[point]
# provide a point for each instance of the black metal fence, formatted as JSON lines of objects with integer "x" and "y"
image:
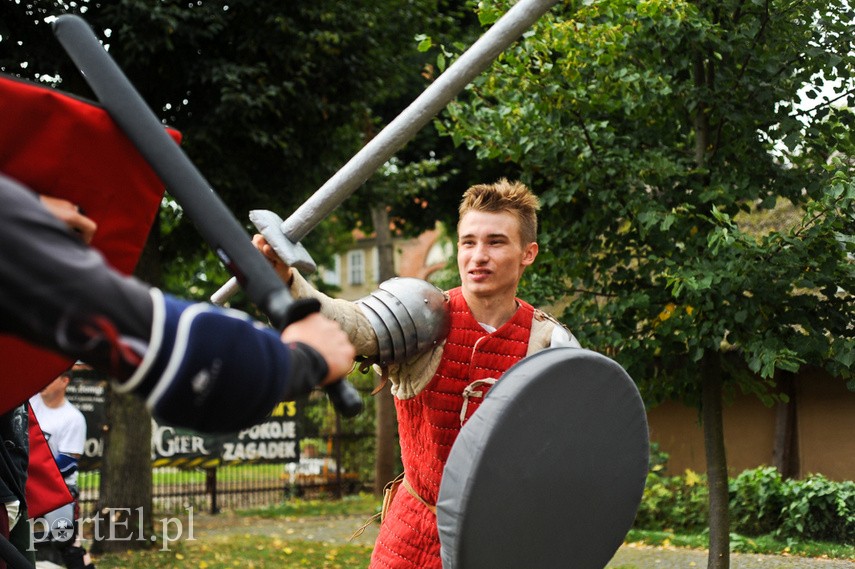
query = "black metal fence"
{"x": 240, "y": 486}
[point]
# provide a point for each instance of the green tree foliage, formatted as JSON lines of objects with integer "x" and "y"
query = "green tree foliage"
{"x": 648, "y": 128}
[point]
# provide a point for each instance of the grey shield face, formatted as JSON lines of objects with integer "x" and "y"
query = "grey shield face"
{"x": 549, "y": 471}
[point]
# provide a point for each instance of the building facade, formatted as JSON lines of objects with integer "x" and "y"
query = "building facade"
{"x": 357, "y": 271}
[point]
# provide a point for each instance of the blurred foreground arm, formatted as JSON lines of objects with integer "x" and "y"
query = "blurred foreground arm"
{"x": 196, "y": 365}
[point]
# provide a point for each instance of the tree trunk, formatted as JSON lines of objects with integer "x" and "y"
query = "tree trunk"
{"x": 711, "y": 414}
{"x": 711, "y": 398}
{"x": 125, "y": 495}
{"x": 385, "y": 429}
{"x": 125, "y": 501}
{"x": 785, "y": 449}
{"x": 386, "y": 425}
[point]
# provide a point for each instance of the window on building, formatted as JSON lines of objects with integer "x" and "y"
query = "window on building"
{"x": 332, "y": 275}
{"x": 356, "y": 263}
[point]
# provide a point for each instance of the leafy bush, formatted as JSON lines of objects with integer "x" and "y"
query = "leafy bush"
{"x": 657, "y": 460}
{"x": 818, "y": 508}
{"x": 656, "y": 508}
{"x": 678, "y": 503}
{"x": 756, "y": 501}
{"x": 761, "y": 503}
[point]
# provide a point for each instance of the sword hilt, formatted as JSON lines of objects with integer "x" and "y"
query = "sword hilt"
{"x": 269, "y": 225}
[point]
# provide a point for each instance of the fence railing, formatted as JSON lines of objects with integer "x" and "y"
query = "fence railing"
{"x": 237, "y": 486}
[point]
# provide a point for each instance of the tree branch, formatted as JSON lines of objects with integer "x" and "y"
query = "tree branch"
{"x": 591, "y": 293}
{"x": 826, "y": 103}
{"x": 700, "y": 120}
{"x": 588, "y": 141}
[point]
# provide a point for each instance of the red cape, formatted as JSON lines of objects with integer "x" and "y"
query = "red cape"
{"x": 67, "y": 147}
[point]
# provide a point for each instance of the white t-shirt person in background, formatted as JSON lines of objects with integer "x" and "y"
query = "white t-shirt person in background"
{"x": 63, "y": 425}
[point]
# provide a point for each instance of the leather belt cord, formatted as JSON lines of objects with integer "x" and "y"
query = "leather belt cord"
{"x": 415, "y": 495}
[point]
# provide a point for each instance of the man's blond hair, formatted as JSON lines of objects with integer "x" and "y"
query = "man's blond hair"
{"x": 513, "y": 197}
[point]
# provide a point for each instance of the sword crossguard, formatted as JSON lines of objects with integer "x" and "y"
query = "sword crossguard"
{"x": 269, "y": 225}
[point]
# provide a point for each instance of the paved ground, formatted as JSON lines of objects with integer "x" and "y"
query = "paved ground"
{"x": 339, "y": 529}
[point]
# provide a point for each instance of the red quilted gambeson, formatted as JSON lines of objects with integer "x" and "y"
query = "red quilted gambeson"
{"x": 430, "y": 422}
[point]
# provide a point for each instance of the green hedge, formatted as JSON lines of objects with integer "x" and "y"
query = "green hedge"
{"x": 761, "y": 503}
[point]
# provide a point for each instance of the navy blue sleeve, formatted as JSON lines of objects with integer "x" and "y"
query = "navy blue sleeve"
{"x": 217, "y": 370}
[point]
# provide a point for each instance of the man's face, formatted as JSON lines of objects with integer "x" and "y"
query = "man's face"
{"x": 490, "y": 256}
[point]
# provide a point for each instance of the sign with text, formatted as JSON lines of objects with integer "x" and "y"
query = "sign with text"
{"x": 276, "y": 439}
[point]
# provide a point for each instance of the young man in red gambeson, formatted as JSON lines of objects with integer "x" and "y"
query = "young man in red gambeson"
{"x": 438, "y": 390}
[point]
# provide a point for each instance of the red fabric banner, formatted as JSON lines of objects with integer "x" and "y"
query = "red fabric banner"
{"x": 67, "y": 147}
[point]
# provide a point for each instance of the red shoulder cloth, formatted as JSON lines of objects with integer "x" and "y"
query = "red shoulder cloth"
{"x": 63, "y": 146}
{"x": 45, "y": 489}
